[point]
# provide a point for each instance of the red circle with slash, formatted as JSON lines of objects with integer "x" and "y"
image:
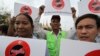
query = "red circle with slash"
{"x": 26, "y": 9}
{"x": 18, "y": 47}
{"x": 93, "y": 53}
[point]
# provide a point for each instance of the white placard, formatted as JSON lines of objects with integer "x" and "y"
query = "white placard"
{"x": 89, "y": 6}
{"x": 34, "y": 46}
{"x": 79, "y": 48}
{"x": 20, "y": 8}
{"x": 57, "y": 7}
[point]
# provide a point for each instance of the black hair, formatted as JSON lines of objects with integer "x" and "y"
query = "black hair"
{"x": 28, "y": 16}
{"x": 56, "y": 17}
{"x": 92, "y": 16}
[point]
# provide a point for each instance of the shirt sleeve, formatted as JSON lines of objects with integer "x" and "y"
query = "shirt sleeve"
{"x": 72, "y": 34}
{"x": 38, "y": 30}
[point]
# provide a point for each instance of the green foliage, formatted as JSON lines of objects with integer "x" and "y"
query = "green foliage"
{"x": 3, "y": 18}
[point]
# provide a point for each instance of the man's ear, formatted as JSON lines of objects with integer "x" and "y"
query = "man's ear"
{"x": 33, "y": 26}
{"x": 99, "y": 30}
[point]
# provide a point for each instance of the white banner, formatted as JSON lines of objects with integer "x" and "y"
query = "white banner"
{"x": 59, "y": 7}
{"x": 79, "y": 48}
{"x": 22, "y": 8}
{"x": 89, "y": 6}
{"x": 12, "y": 46}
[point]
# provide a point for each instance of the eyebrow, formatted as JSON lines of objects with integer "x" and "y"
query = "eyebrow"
{"x": 85, "y": 25}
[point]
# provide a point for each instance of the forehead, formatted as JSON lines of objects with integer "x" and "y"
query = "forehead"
{"x": 55, "y": 19}
{"x": 21, "y": 18}
{"x": 86, "y": 21}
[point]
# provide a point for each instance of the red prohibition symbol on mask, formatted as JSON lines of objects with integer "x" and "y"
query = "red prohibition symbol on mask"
{"x": 26, "y": 9}
{"x": 93, "y": 53}
{"x": 18, "y": 48}
{"x": 94, "y": 6}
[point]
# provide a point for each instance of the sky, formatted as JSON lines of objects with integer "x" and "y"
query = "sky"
{"x": 9, "y": 6}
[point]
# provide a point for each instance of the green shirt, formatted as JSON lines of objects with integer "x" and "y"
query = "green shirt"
{"x": 53, "y": 42}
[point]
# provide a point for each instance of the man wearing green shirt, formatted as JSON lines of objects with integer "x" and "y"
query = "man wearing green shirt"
{"x": 54, "y": 37}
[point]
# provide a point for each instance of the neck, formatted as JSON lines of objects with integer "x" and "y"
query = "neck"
{"x": 28, "y": 36}
{"x": 56, "y": 31}
{"x": 94, "y": 41}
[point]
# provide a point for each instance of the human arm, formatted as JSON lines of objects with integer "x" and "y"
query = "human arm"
{"x": 38, "y": 30}
{"x": 11, "y": 31}
{"x": 41, "y": 11}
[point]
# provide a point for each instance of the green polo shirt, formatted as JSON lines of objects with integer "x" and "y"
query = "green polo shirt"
{"x": 53, "y": 42}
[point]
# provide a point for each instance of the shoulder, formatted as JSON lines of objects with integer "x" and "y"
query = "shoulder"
{"x": 34, "y": 37}
{"x": 64, "y": 32}
{"x": 48, "y": 32}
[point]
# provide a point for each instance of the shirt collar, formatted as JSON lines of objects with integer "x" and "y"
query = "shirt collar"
{"x": 59, "y": 33}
